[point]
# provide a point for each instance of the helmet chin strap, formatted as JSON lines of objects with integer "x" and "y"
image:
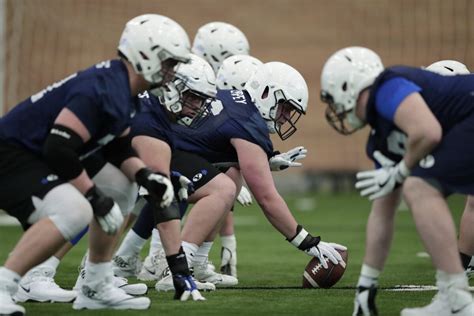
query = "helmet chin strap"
{"x": 271, "y": 126}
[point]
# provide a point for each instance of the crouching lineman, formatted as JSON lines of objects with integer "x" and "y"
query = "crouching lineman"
{"x": 237, "y": 129}
{"x": 43, "y": 140}
{"x": 421, "y": 120}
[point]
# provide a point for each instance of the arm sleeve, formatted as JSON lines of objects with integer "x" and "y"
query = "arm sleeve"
{"x": 391, "y": 93}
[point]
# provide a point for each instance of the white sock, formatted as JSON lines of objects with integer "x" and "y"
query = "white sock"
{"x": 52, "y": 262}
{"x": 229, "y": 242}
{"x": 9, "y": 280}
{"x": 131, "y": 245}
{"x": 202, "y": 254}
{"x": 96, "y": 272}
{"x": 368, "y": 276}
{"x": 190, "y": 250}
{"x": 155, "y": 244}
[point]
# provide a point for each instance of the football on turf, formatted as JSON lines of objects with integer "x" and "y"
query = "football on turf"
{"x": 315, "y": 275}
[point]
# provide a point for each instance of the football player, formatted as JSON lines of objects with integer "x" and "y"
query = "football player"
{"x": 44, "y": 140}
{"x": 237, "y": 130}
{"x": 420, "y": 120}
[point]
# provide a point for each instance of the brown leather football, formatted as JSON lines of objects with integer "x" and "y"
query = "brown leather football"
{"x": 315, "y": 275}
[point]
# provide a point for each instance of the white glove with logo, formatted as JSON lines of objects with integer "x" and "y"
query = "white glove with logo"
{"x": 328, "y": 250}
{"x": 286, "y": 160}
{"x": 380, "y": 182}
{"x": 313, "y": 246}
{"x": 244, "y": 197}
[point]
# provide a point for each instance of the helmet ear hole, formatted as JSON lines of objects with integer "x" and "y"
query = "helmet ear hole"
{"x": 265, "y": 92}
{"x": 344, "y": 86}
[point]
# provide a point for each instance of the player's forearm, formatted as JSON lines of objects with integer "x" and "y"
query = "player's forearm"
{"x": 278, "y": 214}
{"x": 131, "y": 166}
{"x": 83, "y": 183}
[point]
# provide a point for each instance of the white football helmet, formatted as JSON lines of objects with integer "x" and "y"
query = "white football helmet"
{"x": 187, "y": 94}
{"x": 448, "y": 68}
{"x": 235, "y": 71}
{"x": 216, "y": 41}
{"x": 345, "y": 74}
{"x": 280, "y": 94}
{"x": 150, "y": 39}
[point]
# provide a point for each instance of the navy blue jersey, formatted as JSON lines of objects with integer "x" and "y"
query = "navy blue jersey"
{"x": 451, "y": 100}
{"x": 152, "y": 120}
{"x": 233, "y": 115}
{"x": 99, "y": 96}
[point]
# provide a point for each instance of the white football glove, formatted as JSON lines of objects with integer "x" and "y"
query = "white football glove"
{"x": 313, "y": 246}
{"x": 185, "y": 287}
{"x": 186, "y": 186}
{"x": 244, "y": 197}
{"x": 380, "y": 182}
{"x": 287, "y": 159}
{"x": 112, "y": 221}
{"x": 327, "y": 250}
{"x": 159, "y": 186}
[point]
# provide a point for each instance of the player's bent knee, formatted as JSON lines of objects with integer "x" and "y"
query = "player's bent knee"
{"x": 67, "y": 208}
{"x": 172, "y": 212}
{"x": 227, "y": 189}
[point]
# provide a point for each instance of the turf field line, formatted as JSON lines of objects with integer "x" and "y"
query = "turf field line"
{"x": 401, "y": 288}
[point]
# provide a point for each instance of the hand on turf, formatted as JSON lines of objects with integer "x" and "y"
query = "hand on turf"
{"x": 106, "y": 211}
{"x": 244, "y": 197}
{"x": 380, "y": 182}
{"x": 185, "y": 287}
{"x": 287, "y": 159}
{"x": 325, "y": 250}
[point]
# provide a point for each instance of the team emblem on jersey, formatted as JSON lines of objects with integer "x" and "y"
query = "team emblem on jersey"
{"x": 427, "y": 162}
{"x": 199, "y": 175}
{"x": 49, "y": 178}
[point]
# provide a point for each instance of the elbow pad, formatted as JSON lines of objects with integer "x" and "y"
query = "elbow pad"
{"x": 60, "y": 152}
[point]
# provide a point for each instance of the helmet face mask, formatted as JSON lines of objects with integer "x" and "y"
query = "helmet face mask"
{"x": 280, "y": 94}
{"x": 186, "y": 95}
{"x": 338, "y": 117}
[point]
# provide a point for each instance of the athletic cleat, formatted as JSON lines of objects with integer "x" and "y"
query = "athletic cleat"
{"x": 119, "y": 282}
{"x": 132, "y": 289}
{"x": 153, "y": 267}
{"x": 39, "y": 285}
{"x": 165, "y": 284}
{"x": 202, "y": 274}
{"x": 106, "y": 296}
{"x": 228, "y": 262}
{"x": 439, "y": 306}
{"x": 364, "y": 302}
{"x": 126, "y": 266}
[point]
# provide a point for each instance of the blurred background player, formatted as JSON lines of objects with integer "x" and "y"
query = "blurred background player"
{"x": 409, "y": 109}
{"x": 381, "y": 221}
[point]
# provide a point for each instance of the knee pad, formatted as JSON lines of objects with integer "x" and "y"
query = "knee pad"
{"x": 67, "y": 208}
{"x": 167, "y": 214}
{"x": 116, "y": 185}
